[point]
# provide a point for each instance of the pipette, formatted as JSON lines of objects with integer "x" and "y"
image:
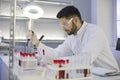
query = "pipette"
{"x": 41, "y": 37}
{"x": 39, "y": 40}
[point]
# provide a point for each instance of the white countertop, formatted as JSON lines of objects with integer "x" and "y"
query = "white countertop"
{"x": 36, "y": 75}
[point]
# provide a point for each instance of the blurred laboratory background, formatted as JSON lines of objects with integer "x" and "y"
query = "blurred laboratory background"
{"x": 104, "y": 13}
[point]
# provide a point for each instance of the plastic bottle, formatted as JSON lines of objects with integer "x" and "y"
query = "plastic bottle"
{"x": 61, "y": 73}
{"x": 72, "y": 73}
{"x": 31, "y": 61}
{"x": 55, "y": 62}
{"x": 67, "y": 71}
{"x": 20, "y": 59}
{"x": 85, "y": 72}
{"x": 43, "y": 63}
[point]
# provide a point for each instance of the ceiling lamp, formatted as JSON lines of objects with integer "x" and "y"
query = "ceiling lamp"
{"x": 33, "y": 12}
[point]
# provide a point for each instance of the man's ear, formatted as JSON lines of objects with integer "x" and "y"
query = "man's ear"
{"x": 75, "y": 19}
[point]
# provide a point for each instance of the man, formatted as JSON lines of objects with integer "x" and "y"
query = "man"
{"x": 84, "y": 41}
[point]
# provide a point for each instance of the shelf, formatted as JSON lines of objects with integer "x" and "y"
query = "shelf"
{"x": 50, "y": 8}
{"x": 23, "y": 17}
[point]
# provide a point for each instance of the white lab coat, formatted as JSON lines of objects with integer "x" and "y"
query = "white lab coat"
{"x": 89, "y": 41}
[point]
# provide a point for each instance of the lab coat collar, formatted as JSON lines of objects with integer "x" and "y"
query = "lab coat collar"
{"x": 84, "y": 25}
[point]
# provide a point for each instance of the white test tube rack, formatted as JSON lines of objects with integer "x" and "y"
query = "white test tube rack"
{"x": 54, "y": 68}
{"x": 26, "y": 61}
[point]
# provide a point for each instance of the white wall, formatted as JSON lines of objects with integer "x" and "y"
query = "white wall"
{"x": 118, "y": 18}
{"x": 49, "y": 27}
{"x": 100, "y": 12}
{"x": 104, "y": 17}
{"x": 84, "y": 7}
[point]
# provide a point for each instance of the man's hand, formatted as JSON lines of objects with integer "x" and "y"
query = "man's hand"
{"x": 32, "y": 36}
{"x": 29, "y": 34}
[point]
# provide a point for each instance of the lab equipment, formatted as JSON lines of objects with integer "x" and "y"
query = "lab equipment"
{"x": 67, "y": 71}
{"x": 27, "y": 61}
{"x": 61, "y": 69}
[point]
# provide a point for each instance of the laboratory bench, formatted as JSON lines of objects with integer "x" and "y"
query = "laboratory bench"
{"x": 36, "y": 74}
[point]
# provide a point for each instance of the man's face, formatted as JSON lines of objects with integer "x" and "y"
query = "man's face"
{"x": 69, "y": 26}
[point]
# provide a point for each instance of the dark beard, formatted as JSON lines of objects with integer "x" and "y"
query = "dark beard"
{"x": 74, "y": 29}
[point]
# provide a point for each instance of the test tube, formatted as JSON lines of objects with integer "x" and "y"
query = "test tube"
{"x": 61, "y": 74}
{"x": 67, "y": 72}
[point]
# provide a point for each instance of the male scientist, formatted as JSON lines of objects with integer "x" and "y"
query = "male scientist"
{"x": 84, "y": 40}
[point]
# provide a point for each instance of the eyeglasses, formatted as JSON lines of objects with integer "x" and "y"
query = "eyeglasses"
{"x": 66, "y": 24}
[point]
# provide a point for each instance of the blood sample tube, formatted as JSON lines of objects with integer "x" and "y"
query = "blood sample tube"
{"x": 61, "y": 73}
{"x": 85, "y": 72}
{"x": 67, "y": 73}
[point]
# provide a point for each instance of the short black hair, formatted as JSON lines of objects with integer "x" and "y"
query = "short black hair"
{"x": 69, "y": 11}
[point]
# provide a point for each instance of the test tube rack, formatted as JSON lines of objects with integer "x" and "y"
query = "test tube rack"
{"x": 54, "y": 69}
{"x": 25, "y": 61}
